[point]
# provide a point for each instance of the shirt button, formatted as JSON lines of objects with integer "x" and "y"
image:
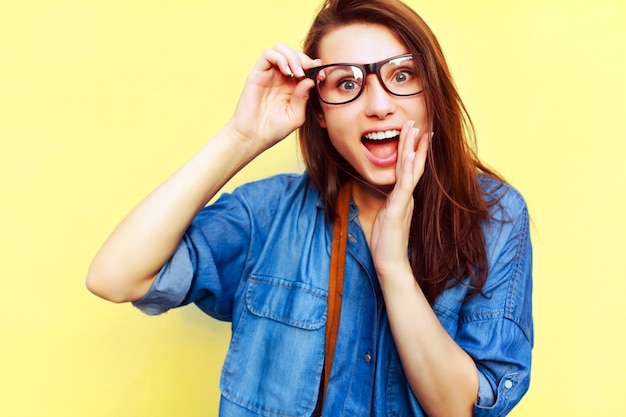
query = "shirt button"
{"x": 368, "y": 357}
{"x": 508, "y": 384}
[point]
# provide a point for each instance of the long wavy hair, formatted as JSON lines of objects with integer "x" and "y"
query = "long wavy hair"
{"x": 447, "y": 243}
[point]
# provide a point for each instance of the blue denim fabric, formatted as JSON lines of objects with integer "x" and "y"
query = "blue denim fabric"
{"x": 259, "y": 257}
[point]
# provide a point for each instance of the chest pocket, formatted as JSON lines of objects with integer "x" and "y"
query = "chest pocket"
{"x": 275, "y": 360}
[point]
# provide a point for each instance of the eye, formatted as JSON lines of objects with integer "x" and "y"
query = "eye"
{"x": 403, "y": 75}
{"x": 348, "y": 85}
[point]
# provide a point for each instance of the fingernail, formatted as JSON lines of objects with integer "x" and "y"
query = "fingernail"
{"x": 415, "y": 131}
{"x": 300, "y": 71}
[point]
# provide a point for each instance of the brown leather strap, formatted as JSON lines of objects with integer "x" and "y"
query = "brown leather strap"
{"x": 335, "y": 280}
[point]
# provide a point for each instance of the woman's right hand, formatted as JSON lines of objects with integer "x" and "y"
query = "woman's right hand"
{"x": 273, "y": 101}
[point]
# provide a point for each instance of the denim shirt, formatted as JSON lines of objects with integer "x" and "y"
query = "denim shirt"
{"x": 260, "y": 258}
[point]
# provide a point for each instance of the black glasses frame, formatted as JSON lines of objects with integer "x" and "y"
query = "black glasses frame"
{"x": 367, "y": 69}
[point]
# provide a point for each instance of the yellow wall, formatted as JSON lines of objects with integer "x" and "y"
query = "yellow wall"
{"x": 100, "y": 100}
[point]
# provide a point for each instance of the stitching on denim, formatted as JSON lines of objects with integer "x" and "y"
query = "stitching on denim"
{"x": 311, "y": 324}
{"x": 231, "y": 394}
{"x": 278, "y": 282}
{"x": 523, "y": 233}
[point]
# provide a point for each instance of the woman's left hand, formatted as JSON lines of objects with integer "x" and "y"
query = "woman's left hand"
{"x": 390, "y": 232}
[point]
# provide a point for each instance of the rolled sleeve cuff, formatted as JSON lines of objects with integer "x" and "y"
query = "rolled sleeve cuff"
{"x": 486, "y": 396}
{"x": 171, "y": 285}
{"x": 508, "y": 393}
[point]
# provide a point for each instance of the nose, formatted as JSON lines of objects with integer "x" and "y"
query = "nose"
{"x": 380, "y": 103}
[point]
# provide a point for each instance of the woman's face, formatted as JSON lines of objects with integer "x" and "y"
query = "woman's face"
{"x": 376, "y": 110}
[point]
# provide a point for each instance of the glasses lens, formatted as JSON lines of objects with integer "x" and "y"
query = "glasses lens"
{"x": 338, "y": 84}
{"x": 400, "y": 76}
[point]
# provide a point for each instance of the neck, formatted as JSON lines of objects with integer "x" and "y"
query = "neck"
{"x": 369, "y": 201}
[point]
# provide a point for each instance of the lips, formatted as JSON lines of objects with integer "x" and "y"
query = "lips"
{"x": 382, "y": 146}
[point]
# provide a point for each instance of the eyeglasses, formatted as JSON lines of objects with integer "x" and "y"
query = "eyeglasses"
{"x": 343, "y": 83}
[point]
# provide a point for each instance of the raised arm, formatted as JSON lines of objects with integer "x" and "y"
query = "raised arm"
{"x": 271, "y": 106}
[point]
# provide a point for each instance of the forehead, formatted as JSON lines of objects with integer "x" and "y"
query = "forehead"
{"x": 360, "y": 43}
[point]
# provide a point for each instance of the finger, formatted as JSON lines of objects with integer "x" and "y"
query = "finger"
{"x": 300, "y": 97}
{"x": 402, "y": 193}
{"x": 294, "y": 58}
{"x": 407, "y": 145}
{"x": 419, "y": 163}
{"x": 399, "y": 206}
{"x": 308, "y": 62}
{"x": 406, "y": 183}
{"x": 404, "y": 133}
{"x": 274, "y": 59}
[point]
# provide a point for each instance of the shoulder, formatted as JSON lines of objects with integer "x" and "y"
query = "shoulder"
{"x": 290, "y": 179}
{"x": 509, "y": 250}
{"x": 276, "y": 188}
{"x": 507, "y": 208}
{"x": 266, "y": 197}
{"x": 509, "y": 222}
{"x": 505, "y": 202}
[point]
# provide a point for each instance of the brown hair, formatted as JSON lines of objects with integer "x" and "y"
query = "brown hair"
{"x": 447, "y": 243}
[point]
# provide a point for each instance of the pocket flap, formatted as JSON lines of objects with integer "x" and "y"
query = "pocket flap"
{"x": 292, "y": 303}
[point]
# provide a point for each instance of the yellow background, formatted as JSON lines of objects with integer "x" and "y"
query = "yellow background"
{"x": 101, "y": 100}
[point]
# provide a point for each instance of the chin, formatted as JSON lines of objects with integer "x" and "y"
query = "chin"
{"x": 380, "y": 182}
{"x": 383, "y": 187}
{"x": 383, "y": 181}
{"x": 386, "y": 189}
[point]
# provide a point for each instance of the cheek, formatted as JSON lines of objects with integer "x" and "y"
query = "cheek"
{"x": 340, "y": 137}
{"x": 421, "y": 113}
{"x": 336, "y": 139}
{"x": 339, "y": 118}
{"x": 417, "y": 111}
{"x": 334, "y": 122}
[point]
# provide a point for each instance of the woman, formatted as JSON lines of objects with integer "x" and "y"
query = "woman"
{"x": 446, "y": 330}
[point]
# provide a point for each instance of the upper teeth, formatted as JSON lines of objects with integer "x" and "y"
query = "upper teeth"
{"x": 382, "y": 135}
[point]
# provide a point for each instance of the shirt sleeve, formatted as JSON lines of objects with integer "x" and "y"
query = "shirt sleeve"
{"x": 208, "y": 263}
{"x": 486, "y": 396}
{"x": 497, "y": 328}
{"x": 219, "y": 249}
{"x": 171, "y": 285}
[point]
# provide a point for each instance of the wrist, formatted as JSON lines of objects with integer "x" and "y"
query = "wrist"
{"x": 241, "y": 143}
{"x": 397, "y": 279}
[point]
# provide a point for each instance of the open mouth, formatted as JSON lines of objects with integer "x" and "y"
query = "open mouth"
{"x": 382, "y": 146}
